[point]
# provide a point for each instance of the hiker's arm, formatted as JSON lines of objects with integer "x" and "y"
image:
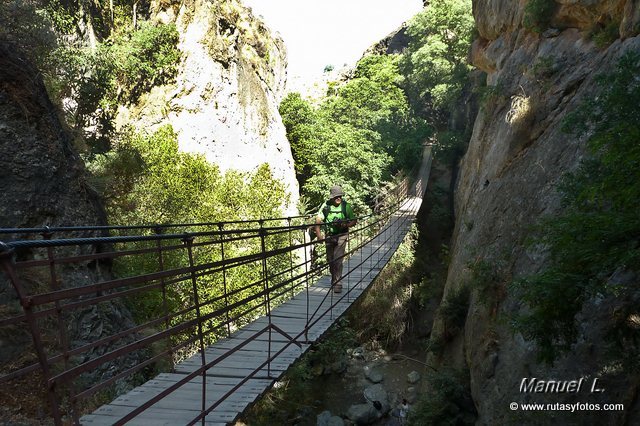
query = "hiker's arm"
{"x": 352, "y": 216}
{"x": 319, "y": 234}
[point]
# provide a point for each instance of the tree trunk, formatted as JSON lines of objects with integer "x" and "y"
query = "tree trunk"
{"x": 135, "y": 15}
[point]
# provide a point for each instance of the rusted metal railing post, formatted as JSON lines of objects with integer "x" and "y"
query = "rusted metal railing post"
{"x": 165, "y": 303}
{"x": 306, "y": 281}
{"x": 224, "y": 280}
{"x": 347, "y": 256}
{"x": 62, "y": 328}
{"x": 263, "y": 248}
{"x": 188, "y": 241}
{"x": 290, "y": 257}
{"x": 6, "y": 260}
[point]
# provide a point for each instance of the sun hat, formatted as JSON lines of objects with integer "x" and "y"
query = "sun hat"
{"x": 335, "y": 191}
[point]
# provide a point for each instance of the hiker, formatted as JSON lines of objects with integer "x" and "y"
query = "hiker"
{"x": 337, "y": 216}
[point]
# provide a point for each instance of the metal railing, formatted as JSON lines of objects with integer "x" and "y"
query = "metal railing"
{"x": 194, "y": 283}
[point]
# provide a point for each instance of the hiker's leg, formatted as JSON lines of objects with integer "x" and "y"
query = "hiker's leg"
{"x": 338, "y": 254}
{"x": 330, "y": 244}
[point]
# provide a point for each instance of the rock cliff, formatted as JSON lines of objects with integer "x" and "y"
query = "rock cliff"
{"x": 508, "y": 181}
{"x": 43, "y": 183}
{"x": 225, "y": 101}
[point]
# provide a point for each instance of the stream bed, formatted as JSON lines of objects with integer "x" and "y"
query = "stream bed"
{"x": 337, "y": 392}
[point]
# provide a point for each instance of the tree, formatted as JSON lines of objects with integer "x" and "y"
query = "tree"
{"x": 347, "y": 156}
{"x": 374, "y": 100}
{"x": 435, "y": 62}
{"x": 299, "y": 120}
{"x": 359, "y": 136}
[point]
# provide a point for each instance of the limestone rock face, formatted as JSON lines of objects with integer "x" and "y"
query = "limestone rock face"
{"x": 586, "y": 14}
{"x": 494, "y": 17}
{"x": 497, "y": 17}
{"x": 508, "y": 181}
{"x": 231, "y": 79}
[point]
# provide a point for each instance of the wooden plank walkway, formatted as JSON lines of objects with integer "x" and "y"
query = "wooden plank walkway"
{"x": 251, "y": 344}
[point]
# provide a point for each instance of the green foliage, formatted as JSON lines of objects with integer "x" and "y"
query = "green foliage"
{"x": 358, "y": 137}
{"x": 334, "y": 347}
{"x": 435, "y": 62}
{"x": 299, "y": 119}
{"x": 24, "y": 25}
{"x": 373, "y": 100}
{"x": 490, "y": 96}
{"x": 383, "y": 312}
{"x": 116, "y": 72}
{"x": 429, "y": 288}
{"x": 449, "y": 146}
{"x": 605, "y": 34}
{"x": 146, "y": 180}
{"x": 538, "y": 14}
{"x": 346, "y": 155}
{"x": 447, "y": 402}
{"x": 150, "y": 181}
{"x": 436, "y": 345}
{"x": 544, "y": 68}
{"x": 85, "y": 75}
{"x": 597, "y": 232}
{"x": 64, "y": 19}
{"x": 487, "y": 282}
{"x": 296, "y": 389}
{"x": 454, "y": 308}
{"x": 145, "y": 58}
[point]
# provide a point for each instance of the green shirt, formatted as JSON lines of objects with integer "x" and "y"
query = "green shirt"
{"x": 335, "y": 213}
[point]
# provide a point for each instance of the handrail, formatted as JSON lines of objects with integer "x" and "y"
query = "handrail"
{"x": 206, "y": 281}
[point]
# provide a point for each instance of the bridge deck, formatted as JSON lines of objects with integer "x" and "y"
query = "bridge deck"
{"x": 237, "y": 357}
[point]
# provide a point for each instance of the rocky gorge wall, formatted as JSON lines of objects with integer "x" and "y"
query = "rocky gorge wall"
{"x": 224, "y": 103}
{"x": 508, "y": 181}
{"x": 43, "y": 183}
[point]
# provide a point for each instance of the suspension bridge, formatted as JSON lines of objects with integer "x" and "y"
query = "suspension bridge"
{"x": 235, "y": 305}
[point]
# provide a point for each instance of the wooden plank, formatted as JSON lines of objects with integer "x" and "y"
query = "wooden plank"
{"x": 253, "y": 346}
{"x": 213, "y": 380}
{"x": 245, "y": 358}
{"x": 158, "y": 418}
{"x": 250, "y": 350}
{"x": 110, "y": 414}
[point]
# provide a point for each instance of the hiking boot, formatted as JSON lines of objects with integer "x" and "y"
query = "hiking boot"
{"x": 337, "y": 288}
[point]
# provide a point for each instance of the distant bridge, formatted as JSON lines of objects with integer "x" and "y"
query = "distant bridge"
{"x": 224, "y": 328}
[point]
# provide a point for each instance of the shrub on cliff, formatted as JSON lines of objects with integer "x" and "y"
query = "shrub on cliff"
{"x": 538, "y": 14}
{"x": 145, "y": 58}
{"x": 117, "y": 72}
